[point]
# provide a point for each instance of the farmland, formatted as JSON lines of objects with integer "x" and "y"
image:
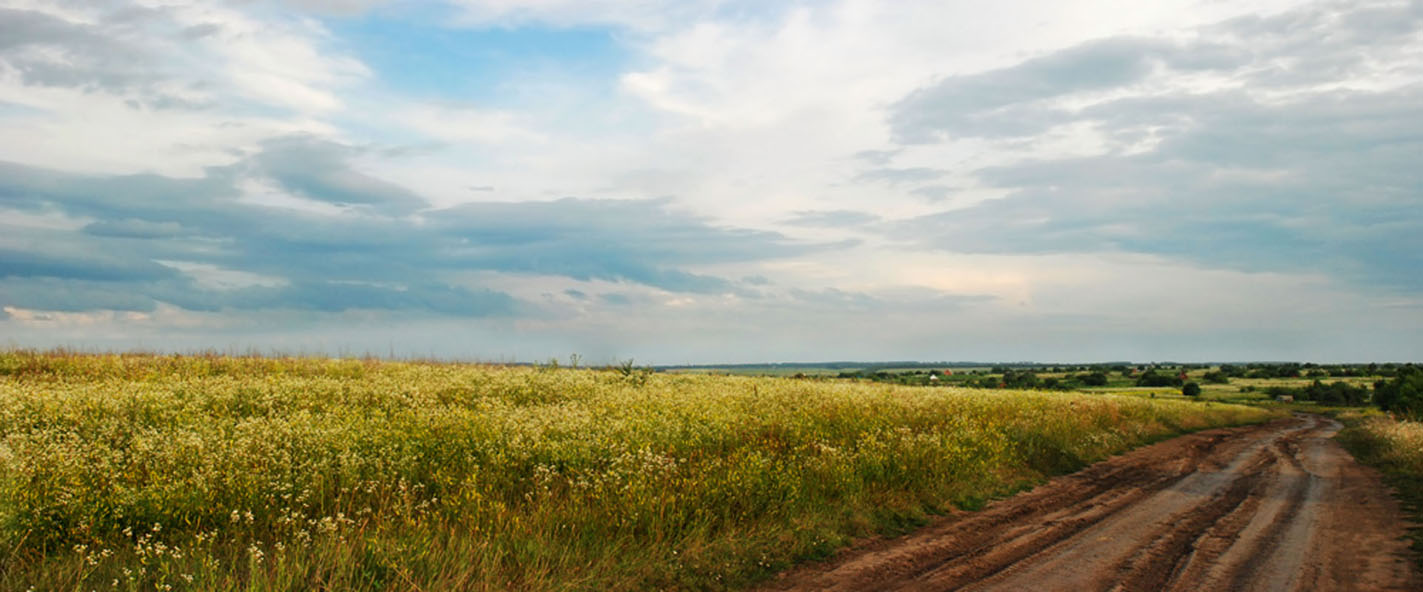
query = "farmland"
{"x": 215, "y": 473}
{"x": 1250, "y": 382}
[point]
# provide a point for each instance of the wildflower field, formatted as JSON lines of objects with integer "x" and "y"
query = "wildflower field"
{"x": 138, "y": 472}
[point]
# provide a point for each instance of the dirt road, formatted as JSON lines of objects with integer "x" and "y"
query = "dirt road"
{"x": 1273, "y": 507}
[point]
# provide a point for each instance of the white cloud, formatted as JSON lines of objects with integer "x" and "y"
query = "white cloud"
{"x": 460, "y": 124}
{"x": 206, "y": 82}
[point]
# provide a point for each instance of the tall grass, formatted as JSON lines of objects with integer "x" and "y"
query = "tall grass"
{"x": 1395, "y": 447}
{"x": 218, "y": 473}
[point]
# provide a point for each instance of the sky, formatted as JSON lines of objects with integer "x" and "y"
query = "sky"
{"x": 715, "y": 181}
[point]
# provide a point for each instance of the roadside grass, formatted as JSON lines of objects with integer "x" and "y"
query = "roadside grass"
{"x": 141, "y": 472}
{"x": 1395, "y": 448}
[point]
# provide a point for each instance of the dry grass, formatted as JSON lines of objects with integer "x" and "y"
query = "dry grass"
{"x": 1396, "y": 448}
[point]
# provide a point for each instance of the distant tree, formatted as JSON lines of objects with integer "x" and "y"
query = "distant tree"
{"x": 1153, "y": 378}
{"x": 1191, "y": 389}
{"x": 1216, "y": 377}
{"x": 1338, "y": 393}
{"x": 1093, "y": 379}
{"x": 1403, "y": 394}
{"x": 1024, "y": 379}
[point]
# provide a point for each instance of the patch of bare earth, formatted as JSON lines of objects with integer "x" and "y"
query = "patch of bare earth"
{"x": 1272, "y": 507}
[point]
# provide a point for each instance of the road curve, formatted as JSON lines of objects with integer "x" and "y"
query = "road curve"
{"x": 1278, "y": 507}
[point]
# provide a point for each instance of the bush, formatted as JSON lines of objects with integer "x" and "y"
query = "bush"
{"x": 1191, "y": 389}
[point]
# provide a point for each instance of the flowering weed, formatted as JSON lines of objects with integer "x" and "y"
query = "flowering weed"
{"x": 218, "y": 473}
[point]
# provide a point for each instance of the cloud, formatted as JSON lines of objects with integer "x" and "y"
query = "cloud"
{"x": 642, "y": 241}
{"x": 178, "y": 56}
{"x": 85, "y": 266}
{"x": 1272, "y": 169}
{"x": 835, "y": 298}
{"x": 130, "y": 228}
{"x": 993, "y": 102}
{"x": 130, "y": 294}
{"x": 69, "y": 295}
{"x": 877, "y": 157}
{"x": 344, "y": 8}
{"x": 47, "y": 50}
{"x": 328, "y": 296}
{"x": 209, "y": 244}
{"x": 895, "y": 176}
{"x": 833, "y": 219}
{"x": 320, "y": 170}
{"x": 616, "y": 299}
{"x": 1322, "y": 43}
{"x": 932, "y": 192}
{"x": 756, "y": 280}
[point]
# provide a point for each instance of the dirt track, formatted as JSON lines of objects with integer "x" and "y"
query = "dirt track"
{"x": 1274, "y": 507}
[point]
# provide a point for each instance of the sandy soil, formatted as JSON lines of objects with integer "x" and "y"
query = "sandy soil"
{"x": 1273, "y": 507}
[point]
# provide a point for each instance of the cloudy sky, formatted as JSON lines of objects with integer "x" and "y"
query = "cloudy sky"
{"x": 715, "y": 180}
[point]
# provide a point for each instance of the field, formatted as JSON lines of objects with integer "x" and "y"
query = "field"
{"x": 216, "y": 473}
{"x": 1117, "y": 378}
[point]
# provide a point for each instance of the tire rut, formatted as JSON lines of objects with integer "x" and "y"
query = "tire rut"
{"x": 1230, "y": 509}
{"x": 1157, "y": 564}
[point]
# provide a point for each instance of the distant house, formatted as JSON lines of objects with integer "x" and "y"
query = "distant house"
{"x": 1285, "y": 398}
{"x": 948, "y": 373}
{"x": 933, "y": 377}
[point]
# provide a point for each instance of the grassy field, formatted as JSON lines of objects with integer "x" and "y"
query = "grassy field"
{"x": 217, "y": 473}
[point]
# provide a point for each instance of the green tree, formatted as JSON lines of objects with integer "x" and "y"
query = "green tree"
{"x": 1152, "y": 378}
{"x": 1191, "y": 389}
{"x": 1403, "y": 394}
{"x": 1093, "y": 379}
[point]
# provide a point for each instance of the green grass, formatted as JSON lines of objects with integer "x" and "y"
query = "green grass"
{"x": 219, "y": 473}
